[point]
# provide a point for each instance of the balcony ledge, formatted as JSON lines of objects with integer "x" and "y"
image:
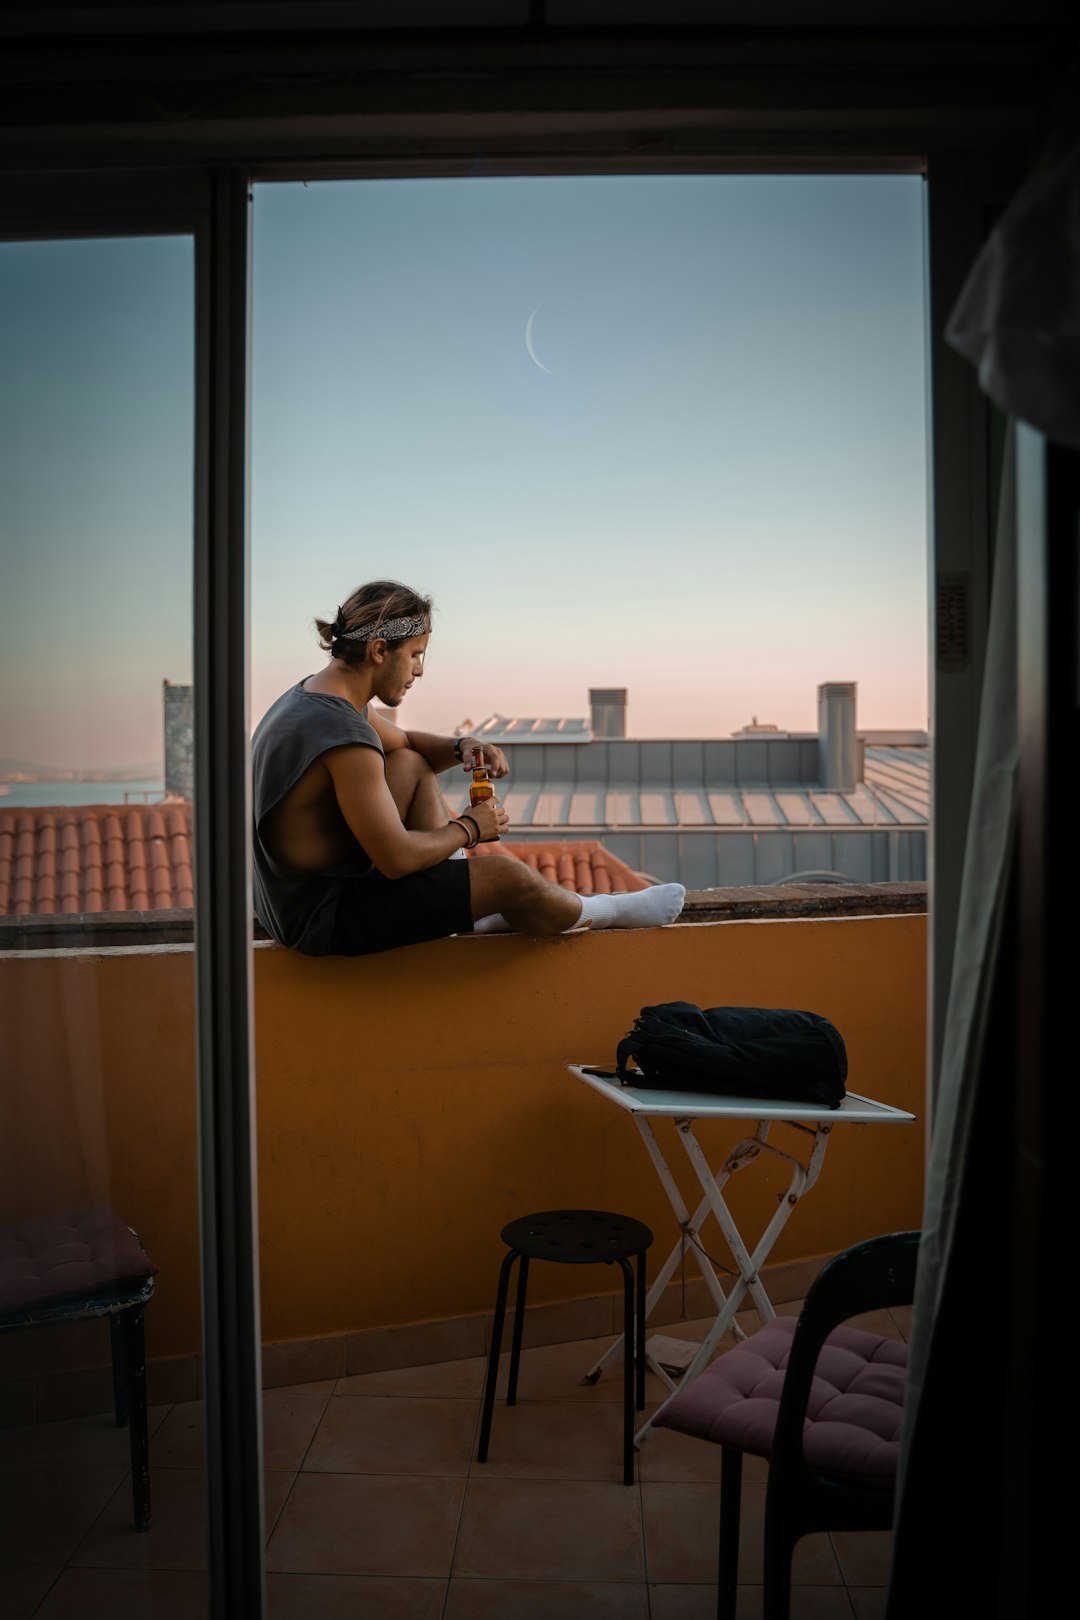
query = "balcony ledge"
{"x": 103, "y": 930}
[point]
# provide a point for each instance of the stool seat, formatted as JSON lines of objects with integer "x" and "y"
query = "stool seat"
{"x": 573, "y": 1237}
{"x": 577, "y": 1237}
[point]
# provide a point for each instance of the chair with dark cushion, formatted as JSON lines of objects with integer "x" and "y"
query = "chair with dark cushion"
{"x": 823, "y": 1403}
{"x": 84, "y": 1263}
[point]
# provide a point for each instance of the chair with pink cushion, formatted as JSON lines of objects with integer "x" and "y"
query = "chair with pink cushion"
{"x": 79, "y": 1264}
{"x": 823, "y": 1403}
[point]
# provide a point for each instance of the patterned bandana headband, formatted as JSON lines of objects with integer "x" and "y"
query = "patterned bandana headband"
{"x": 388, "y": 630}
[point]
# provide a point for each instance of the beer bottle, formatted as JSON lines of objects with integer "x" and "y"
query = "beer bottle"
{"x": 480, "y": 787}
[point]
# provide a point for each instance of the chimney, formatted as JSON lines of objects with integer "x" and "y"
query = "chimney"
{"x": 838, "y": 749}
{"x": 179, "y": 744}
{"x": 608, "y": 707}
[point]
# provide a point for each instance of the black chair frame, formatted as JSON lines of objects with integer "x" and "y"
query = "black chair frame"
{"x": 800, "y": 1500}
{"x": 124, "y": 1307}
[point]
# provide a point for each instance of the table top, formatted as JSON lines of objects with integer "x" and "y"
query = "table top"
{"x": 854, "y": 1110}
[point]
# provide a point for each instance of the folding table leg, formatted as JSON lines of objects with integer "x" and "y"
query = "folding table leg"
{"x": 667, "y": 1270}
{"x": 748, "y": 1282}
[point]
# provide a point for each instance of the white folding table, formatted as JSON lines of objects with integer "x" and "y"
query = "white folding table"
{"x": 686, "y": 1108}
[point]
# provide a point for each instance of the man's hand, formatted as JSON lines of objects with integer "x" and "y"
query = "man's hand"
{"x": 474, "y": 753}
{"x": 491, "y": 819}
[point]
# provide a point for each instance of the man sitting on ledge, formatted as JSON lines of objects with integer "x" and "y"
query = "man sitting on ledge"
{"x": 355, "y": 848}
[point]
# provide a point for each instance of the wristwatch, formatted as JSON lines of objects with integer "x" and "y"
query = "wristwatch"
{"x": 459, "y": 744}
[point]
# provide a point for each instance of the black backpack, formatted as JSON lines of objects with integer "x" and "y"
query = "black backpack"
{"x": 736, "y": 1051}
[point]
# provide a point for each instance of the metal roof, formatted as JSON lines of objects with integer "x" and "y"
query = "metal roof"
{"x": 895, "y": 792}
{"x": 497, "y": 728}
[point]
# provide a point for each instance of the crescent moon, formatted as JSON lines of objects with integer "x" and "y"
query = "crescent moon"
{"x": 533, "y": 356}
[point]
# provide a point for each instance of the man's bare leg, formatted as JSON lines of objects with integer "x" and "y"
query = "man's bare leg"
{"x": 503, "y": 886}
{"x": 415, "y": 790}
{"x": 529, "y": 904}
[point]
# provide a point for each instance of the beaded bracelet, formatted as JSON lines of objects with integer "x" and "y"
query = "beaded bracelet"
{"x": 476, "y": 830}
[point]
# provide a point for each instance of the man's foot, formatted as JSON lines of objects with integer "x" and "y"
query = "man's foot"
{"x": 649, "y": 908}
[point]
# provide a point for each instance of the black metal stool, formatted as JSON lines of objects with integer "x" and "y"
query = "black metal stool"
{"x": 574, "y": 1237}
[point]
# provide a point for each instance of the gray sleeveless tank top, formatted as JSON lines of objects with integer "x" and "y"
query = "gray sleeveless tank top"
{"x": 298, "y": 908}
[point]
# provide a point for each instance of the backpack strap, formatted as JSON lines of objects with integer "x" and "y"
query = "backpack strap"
{"x": 627, "y": 1048}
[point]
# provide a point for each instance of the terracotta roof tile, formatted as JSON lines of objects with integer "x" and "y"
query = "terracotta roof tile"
{"x": 586, "y": 867}
{"x": 95, "y": 858}
{"x": 546, "y": 863}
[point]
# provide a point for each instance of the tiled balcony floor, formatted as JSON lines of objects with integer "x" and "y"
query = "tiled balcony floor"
{"x": 377, "y": 1510}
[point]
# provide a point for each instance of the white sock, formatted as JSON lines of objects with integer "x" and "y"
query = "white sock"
{"x": 495, "y": 924}
{"x": 648, "y": 908}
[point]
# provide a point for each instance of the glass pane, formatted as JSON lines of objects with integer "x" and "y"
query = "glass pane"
{"x": 98, "y": 1137}
{"x": 656, "y": 447}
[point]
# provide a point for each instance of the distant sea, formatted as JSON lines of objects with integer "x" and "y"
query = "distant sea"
{"x": 14, "y": 795}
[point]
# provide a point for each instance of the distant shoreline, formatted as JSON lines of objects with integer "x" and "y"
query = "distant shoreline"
{"x": 135, "y": 773}
{"x": 39, "y": 793}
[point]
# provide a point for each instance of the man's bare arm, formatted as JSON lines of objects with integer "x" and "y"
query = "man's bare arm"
{"x": 372, "y": 816}
{"x": 369, "y": 809}
{"x": 439, "y": 752}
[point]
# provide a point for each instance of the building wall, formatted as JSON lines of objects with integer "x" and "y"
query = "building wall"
{"x": 178, "y": 707}
{"x": 410, "y": 1104}
{"x": 627, "y": 763}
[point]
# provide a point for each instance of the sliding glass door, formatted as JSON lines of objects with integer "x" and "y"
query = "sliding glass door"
{"x": 126, "y": 1124}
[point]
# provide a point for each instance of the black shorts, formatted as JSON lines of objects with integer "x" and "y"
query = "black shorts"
{"x": 378, "y": 913}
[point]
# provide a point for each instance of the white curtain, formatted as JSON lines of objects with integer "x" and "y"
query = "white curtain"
{"x": 1018, "y": 321}
{"x": 987, "y": 861}
{"x": 1018, "y": 317}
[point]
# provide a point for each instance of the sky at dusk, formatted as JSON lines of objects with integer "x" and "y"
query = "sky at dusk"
{"x": 665, "y": 433}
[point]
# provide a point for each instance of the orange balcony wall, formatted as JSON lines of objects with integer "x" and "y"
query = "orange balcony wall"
{"x": 410, "y": 1104}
